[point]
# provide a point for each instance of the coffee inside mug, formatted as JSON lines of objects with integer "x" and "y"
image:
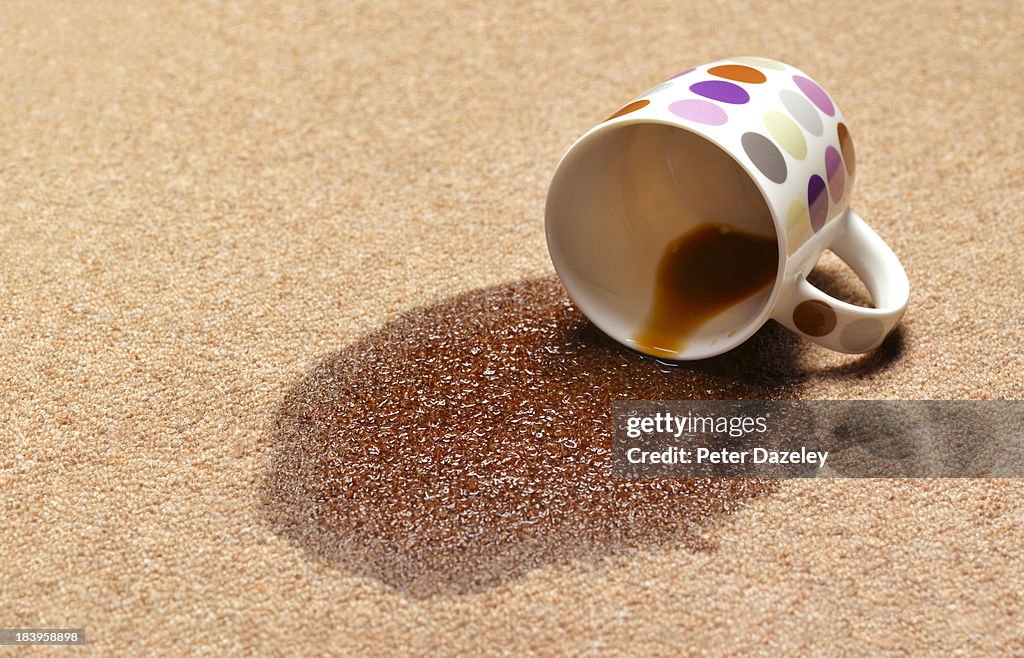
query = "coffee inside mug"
{"x": 662, "y": 239}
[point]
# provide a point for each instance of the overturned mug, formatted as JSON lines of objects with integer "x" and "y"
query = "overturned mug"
{"x": 692, "y": 215}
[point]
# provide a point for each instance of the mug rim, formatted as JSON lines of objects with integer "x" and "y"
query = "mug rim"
{"x": 737, "y": 337}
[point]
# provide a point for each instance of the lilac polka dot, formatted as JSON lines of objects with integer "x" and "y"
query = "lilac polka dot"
{"x": 816, "y": 94}
{"x": 679, "y": 75}
{"x": 817, "y": 202}
{"x": 720, "y": 90}
{"x": 699, "y": 111}
{"x": 834, "y": 172}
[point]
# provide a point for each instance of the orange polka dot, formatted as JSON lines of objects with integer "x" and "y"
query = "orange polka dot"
{"x": 632, "y": 107}
{"x": 846, "y": 146}
{"x": 739, "y": 73}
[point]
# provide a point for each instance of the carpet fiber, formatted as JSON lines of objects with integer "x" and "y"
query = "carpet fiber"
{"x": 204, "y": 201}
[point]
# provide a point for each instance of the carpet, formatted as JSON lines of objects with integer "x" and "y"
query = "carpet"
{"x": 207, "y": 204}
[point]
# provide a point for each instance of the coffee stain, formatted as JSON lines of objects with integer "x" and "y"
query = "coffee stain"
{"x": 468, "y": 442}
{"x": 702, "y": 273}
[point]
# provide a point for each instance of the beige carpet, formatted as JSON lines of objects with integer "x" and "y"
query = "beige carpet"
{"x": 201, "y": 201}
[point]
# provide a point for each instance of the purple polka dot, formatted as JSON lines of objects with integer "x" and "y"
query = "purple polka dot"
{"x": 817, "y": 202}
{"x": 699, "y": 111}
{"x": 834, "y": 172}
{"x": 720, "y": 90}
{"x": 816, "y": 94}
{"x": 679, "y": 75}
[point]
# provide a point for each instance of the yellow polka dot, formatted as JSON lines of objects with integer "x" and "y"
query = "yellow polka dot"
{"x": 786, "y": 133}
{"x": 798, "y": 226}
{"x": 760, "y": 61}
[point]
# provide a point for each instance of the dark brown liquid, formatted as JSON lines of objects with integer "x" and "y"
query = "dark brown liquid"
{"x": 467, "y": 442}
{"x": 701, "y": 274}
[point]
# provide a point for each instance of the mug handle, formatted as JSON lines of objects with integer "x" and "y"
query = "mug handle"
{"x": 836, "y": 324}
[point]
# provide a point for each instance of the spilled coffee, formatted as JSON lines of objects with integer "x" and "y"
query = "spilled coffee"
{"x": 469, "y": 441}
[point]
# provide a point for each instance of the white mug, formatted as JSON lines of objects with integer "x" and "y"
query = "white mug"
{"x": 692, "y": 215}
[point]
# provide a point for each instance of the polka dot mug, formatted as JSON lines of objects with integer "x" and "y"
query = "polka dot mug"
{"x": 692, "y": 216}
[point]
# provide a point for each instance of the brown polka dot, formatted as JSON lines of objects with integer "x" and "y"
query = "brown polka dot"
{"x": 846, "y": 146}
{"x": 814, "y": 318}
{"x": 738, "y": 73}
{"x": 862, "y": 334}
{"x": 632, "y": 107}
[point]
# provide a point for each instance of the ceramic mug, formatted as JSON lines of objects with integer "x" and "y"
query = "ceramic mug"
{"x": 691, "y": 216}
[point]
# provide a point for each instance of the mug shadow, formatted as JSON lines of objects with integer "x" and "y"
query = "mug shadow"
{"x": 466, "y": 443}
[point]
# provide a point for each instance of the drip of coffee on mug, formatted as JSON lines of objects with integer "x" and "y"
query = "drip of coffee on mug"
{"x": 702, "y": 273}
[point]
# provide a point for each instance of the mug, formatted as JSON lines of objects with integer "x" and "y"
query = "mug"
{"x": 694, "y": 213}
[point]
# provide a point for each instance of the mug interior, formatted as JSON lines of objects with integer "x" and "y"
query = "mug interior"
{"x": 624, "y": 196}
